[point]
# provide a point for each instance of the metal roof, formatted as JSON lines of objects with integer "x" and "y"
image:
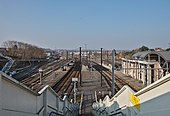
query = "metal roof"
{"x": 164, "y": 54}
{"x": 141, "y": 55}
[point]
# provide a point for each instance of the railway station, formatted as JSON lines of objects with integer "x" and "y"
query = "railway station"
{"x": 148, "y": 66}
{"x": 84, "y": 58}
{"x": 87, "y": 85}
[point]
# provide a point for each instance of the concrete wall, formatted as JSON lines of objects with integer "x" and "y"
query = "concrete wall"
{"x": 18, "y": 100}
{"x": 153, "y": 100}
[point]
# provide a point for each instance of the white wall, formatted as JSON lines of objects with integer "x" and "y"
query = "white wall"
{"x": 154, "y": 100}
{"x": 18, "y": 100}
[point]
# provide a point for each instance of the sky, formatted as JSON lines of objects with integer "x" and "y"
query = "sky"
{"x": 70, "y": 24}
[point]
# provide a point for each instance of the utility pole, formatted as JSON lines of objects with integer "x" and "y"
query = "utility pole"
{"x": 80, "y": 68}
{"x": 90, "y": 62}
{"x": 72, "y": 55}
{"x": 86, "y": 52}
{"x": 89, "y": 56}
{"x": 113, "y": 65}
{"x": 101, "y": 66}
{"x": 67, "y": 56}
{"x": 107, "y": 57}
{"x": 95, "y": 55}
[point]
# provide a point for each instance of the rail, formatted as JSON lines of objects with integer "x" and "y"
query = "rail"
{"x": 64, "y": 84}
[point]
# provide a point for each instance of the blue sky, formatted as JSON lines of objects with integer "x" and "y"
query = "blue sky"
{"x": 110, "y": 24}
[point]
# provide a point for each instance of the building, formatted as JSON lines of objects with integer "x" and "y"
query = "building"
{"x": 147, "y": 66}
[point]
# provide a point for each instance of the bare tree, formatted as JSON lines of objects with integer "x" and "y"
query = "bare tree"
{"x": 23, "y": 50}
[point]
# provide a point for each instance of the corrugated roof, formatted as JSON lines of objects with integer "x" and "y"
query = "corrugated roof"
{"x": 141, "y": 54}
{"x": 163, "y": 54}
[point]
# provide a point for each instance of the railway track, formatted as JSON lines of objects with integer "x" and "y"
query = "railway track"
{"x": 119, "y": 82}
{"x": 31, "y": 70}
{"x": 64, "y": 85}
{"x": 33, "y": 81}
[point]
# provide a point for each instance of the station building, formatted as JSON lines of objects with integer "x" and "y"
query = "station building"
{"x": 147, "y": 66}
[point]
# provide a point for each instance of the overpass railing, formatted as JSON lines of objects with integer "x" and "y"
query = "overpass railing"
{"x": 152, "y": 100}
{"x": 18, "y": 100}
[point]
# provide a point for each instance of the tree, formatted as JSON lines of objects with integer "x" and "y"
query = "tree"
{"x": 143, "y": 48}
{"x": 23, "y": 50}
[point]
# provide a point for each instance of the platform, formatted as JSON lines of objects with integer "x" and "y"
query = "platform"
{"x": 90, "y": 83}
{"x": 134, "y": 83}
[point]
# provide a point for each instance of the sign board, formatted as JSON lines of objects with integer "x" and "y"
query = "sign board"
{"x": 135, "y": 101}
{"x": 74, "y": 79}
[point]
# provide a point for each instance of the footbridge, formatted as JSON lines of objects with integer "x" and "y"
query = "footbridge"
{"x": 152, "y": 100}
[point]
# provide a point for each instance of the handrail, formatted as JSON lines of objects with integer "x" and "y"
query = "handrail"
{"x": 117, "y": 113}
{"x": 103, "y": 111}
{"x": 66, "y": 108}
{"x": 51, "y": 113}
{"x": 42, "y": 109}
{"x": 52, "y": 108}
{"x": 119, "y": 108}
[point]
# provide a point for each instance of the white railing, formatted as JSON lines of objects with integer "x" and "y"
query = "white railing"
{"x": 8, "y": 65}
{"x": 152, "y": 100}
{"x": 18, "y": 100}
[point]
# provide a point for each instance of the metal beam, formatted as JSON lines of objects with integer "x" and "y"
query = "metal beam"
{"x": 113, "y": 78}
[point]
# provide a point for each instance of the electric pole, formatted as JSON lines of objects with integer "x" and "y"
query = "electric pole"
{"x": 80, "y": 68}
{"x": 113, "y": 65}
{"x": 101, "y": 66}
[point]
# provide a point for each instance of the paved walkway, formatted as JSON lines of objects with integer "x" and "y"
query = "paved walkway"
{"x": 90, "y": 83}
